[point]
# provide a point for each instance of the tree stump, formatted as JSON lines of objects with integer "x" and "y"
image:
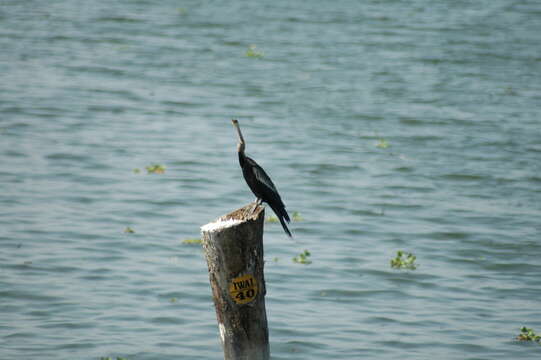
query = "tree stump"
{"x": 233, "y": 247}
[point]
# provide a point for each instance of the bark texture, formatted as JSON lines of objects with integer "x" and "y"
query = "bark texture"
{"x": 233, "y": 248}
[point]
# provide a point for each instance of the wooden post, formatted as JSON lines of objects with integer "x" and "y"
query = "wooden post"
{"x": 233, "y": 247}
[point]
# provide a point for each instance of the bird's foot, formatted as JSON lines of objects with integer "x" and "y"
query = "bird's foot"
{"x": 253, "y": 208}
{"x": 256, "y": 204}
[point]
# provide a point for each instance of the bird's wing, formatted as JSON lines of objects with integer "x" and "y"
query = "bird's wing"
{"x": 262, "y": 177}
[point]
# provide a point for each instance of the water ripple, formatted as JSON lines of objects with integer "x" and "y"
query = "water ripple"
{"x": 387, "y": 126}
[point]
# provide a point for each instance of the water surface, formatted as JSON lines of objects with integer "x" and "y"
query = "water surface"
{"x": 388, "y": 125}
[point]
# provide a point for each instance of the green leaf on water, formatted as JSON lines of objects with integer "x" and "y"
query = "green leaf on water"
{"x": 302, "y": 258}
{"x": 192, "y": 241}
{"x": 155, "y": 169}
{"x": 528, "y": 334}
{"x": 254, "y": 53}
{"x": 404, "y": 260}
{"x": 296, "y": 216}
{"x": 271, "y": 219}
{"x": 382, "y": 143}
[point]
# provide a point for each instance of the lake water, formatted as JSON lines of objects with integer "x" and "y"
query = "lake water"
{"x": 390, "y": 125}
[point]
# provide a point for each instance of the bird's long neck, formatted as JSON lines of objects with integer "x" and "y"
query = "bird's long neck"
{"x": 241, "y": 145}
{"x": 242, "y": 157}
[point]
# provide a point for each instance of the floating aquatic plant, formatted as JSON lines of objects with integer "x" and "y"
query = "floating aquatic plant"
{"x": 254, "y": 53}
{"x": 527, "y": 334}
{"x": 129, "y": 230}
{"x": 302, "y": 258}
{"x": 271, "y": 219}
{"x": 193, "y": 241}
{"x": 382, "y": 143}
{"x": 155, "y": 169}
{"x": 296, "y": 216}
{"x": 404, "y": 260}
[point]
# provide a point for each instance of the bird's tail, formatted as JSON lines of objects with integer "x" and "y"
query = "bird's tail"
{"x": 283, "y": 216}
{"x": 285, "y": 226}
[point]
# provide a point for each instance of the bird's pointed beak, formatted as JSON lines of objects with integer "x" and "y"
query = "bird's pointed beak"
{"x": 236, "y": 125}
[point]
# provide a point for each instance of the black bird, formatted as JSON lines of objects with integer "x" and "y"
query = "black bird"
{"x": 260, "y": 183}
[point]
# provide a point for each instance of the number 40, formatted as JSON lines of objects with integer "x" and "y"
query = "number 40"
{"x": 248, "y": 294}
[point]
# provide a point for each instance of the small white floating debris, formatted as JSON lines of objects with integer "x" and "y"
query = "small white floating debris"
{"x": 220, "y": 224}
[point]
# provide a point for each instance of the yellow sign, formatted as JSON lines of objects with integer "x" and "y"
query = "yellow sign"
{"x": 243, "y": 289}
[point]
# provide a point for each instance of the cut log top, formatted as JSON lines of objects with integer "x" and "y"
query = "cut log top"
{"x": 233, "y": 218}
